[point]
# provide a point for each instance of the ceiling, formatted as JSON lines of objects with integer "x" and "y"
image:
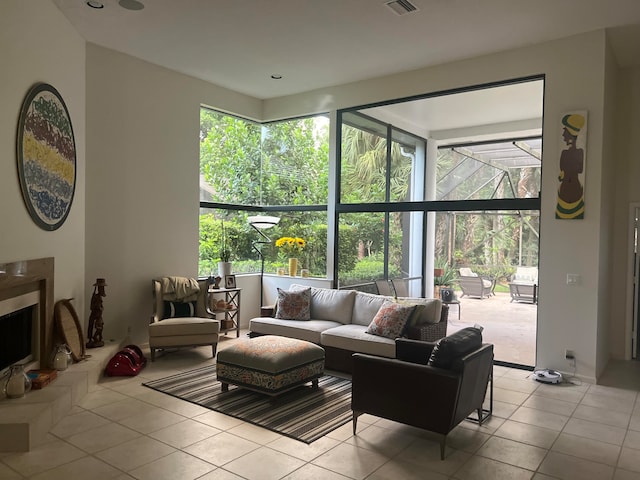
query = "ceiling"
{"x": 239, "y": 44}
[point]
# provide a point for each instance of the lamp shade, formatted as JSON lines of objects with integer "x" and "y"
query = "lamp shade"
{"x": 263, "y": 221}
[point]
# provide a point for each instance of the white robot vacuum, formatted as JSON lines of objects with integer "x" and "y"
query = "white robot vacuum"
{"x": 547, "y": 376}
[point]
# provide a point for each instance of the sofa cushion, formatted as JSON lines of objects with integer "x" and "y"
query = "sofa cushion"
{"x": 415, "y": 316}
{"x": 294, "y": 305}
{"x": 431, "y": 312}
{"x": 390, "y": 320}
{"x": 354, "y": 338}
{"x": 309, "y": 330}
{"x": 365, "y": 307}
{"x": 454, "y": 346}
{"x": 178, "y": 309}
{"x": 330, "y": 304}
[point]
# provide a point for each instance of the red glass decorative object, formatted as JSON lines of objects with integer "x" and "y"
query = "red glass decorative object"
{"x": 127, "y": 362}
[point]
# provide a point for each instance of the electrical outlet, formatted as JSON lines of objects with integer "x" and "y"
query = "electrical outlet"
{"x": 573, "y": 279}
{"x": 571, "y": 357}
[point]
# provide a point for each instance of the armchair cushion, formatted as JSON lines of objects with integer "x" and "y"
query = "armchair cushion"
{"x": 189, "y": 326}
{"x": 294, "y": 305}
{"x": 390, "y": 320}
{"x": 454, "y": 346}
{"x": 179, "y": 309}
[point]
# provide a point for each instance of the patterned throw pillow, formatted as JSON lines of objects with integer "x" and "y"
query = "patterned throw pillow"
{"x": 179, "y": 309}
{"x": 294, "y": 305}
{"x": 390, "y": 320}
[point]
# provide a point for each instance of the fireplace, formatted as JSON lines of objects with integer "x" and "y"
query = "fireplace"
{"x": 26, "y": 312}
{"x": 19, "y": 330}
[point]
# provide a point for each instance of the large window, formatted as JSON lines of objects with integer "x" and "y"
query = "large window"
{"x": 279, "y": 168}
{"x": 392, "y": 224}
{"x": 396, "y": 195}
{"x": 380, "y": 166}
{"x": 377, "y": 161}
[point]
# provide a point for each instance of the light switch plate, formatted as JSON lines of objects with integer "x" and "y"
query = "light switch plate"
{"x": 573, "y": 279}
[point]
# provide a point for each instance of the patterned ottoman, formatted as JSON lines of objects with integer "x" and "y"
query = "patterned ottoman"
{"x": 270, "y": 364}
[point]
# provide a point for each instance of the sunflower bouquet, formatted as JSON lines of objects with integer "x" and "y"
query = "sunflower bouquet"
{"x": 291, "y": 246}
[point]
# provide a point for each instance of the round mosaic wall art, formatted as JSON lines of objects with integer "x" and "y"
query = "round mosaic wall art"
{"x": 46, "y": 152}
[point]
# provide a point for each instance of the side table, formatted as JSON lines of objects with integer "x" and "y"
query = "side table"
{"x": 454, "y": 302}
{"x": 229, "y": 316}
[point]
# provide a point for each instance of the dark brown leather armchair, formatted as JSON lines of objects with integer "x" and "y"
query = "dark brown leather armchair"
{"x": 409, "y": 391}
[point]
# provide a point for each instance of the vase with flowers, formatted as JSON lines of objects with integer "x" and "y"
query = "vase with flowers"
{"x": 291, "y": 247}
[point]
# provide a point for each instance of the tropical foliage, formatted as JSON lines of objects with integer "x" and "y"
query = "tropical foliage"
{"x": 287, "y": 163}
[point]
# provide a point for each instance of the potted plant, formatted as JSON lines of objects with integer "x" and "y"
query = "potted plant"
{"x": 445, "y": 279}
{"x": 224, "y": 265}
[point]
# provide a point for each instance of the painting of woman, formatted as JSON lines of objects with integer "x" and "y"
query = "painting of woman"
{"x": 570, "y": 203}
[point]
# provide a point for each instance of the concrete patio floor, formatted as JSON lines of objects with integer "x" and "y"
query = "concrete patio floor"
{"x": 510, "y": 326}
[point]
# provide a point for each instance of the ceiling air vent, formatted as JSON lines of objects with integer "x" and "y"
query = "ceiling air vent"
{"x": 401, "y": 7}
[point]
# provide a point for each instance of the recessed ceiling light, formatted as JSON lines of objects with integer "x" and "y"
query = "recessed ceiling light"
{"x": 94, "y": 4}
{"x": 276, "y": 76}
{"x": 131, "y": 4}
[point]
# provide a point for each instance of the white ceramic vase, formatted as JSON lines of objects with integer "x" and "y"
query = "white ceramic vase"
{"x": 224, "y": 268}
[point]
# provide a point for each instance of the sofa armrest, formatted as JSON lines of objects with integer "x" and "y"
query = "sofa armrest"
{"x": 431, "y": 332}
{"x": 268, "y": 311}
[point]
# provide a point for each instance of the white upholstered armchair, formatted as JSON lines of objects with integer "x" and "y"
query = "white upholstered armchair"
{"x": 180, "y": 317}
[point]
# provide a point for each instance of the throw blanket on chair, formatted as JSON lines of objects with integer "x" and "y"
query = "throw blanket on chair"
{"x": 179, "y": 289}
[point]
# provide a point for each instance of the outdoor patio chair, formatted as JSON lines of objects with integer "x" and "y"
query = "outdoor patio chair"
{"x": 401, "y": 287}
{"x": 524, "y": 285}
{"x": 488, "y": 282}
{"x": 384, "y": 287}
{"x": 475, "y": 287}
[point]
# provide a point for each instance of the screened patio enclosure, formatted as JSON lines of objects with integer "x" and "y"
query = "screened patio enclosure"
{"x": 417, "y": 207}
{"x": 423, "y": 212}
{"x": 496, "y": 241}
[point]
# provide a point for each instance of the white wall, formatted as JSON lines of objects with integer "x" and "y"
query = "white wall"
{"x": 37, "y": 44}
{"x": 606, "y": 253}
{"x": 142, "y": 179}
{"x": 626, "y": 172}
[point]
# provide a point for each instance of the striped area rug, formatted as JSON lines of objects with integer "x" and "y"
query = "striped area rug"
{"x": 303, "y": 413}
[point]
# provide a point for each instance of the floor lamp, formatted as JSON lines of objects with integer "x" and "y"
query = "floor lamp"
{"x": 260, "y": 223}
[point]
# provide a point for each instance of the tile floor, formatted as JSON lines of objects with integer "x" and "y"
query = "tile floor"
{"x": 122, "y": 430}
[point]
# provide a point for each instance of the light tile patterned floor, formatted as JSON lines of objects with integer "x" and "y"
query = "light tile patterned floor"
{"x": 122, "y": 430}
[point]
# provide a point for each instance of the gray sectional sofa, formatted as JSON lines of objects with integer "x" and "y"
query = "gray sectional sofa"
{"x": 339, "y": 320}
